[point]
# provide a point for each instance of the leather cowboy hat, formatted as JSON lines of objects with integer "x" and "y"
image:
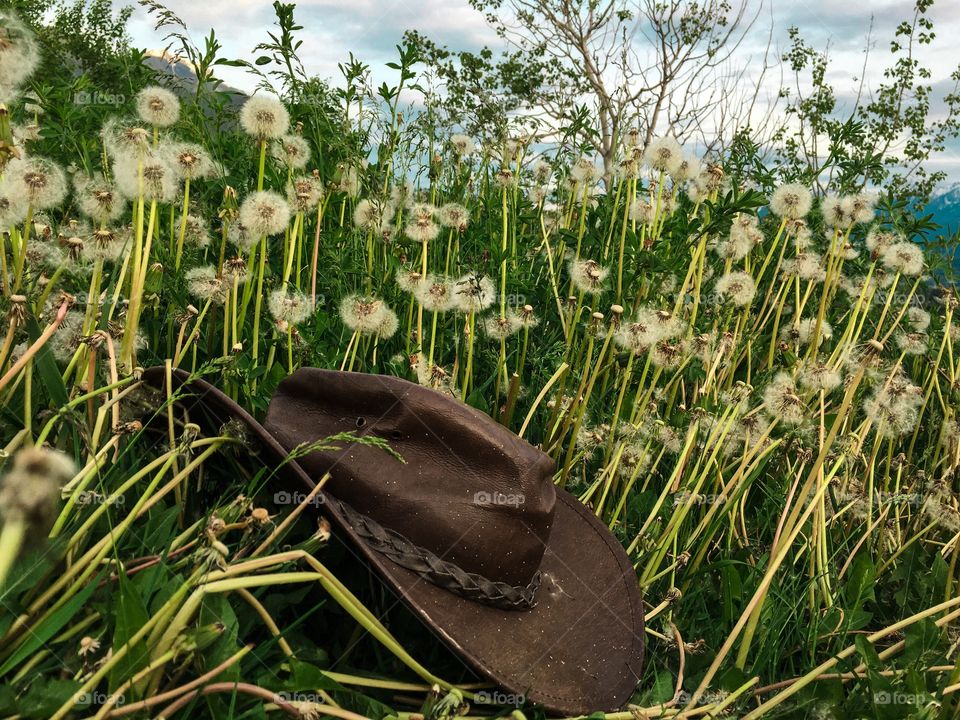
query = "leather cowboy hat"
{"x": 516, "y": 576}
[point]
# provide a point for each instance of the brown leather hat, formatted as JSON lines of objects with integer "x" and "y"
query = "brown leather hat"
{"x": 516, "y": 576}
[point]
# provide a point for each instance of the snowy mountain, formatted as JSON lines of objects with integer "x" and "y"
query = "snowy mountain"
{"x": 945, "y": 207}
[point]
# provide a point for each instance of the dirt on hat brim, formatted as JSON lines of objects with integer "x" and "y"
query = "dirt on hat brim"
{"x": 579, "y": 650}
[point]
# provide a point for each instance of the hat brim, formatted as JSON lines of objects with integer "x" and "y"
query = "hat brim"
{"x": 578, "y": 650}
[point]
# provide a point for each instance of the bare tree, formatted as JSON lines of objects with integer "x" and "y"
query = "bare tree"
{"x": 662, "y": 66}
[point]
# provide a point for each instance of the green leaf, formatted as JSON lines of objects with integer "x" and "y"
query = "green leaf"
{"x": 46, "y": 366}
{"x": 130, "y": 615}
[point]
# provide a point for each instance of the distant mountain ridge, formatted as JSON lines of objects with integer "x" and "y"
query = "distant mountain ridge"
{"x": 945, "y": 207}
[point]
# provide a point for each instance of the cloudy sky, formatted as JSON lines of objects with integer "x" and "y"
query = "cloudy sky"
{"x": 372, "y": 28}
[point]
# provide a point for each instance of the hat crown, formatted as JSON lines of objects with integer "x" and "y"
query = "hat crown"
{"x": 468, "y": 489}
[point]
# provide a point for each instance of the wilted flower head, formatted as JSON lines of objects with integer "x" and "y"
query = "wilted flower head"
{"x": 41, "y": 182}
{"x": 293, "y": 151}
{"x": 904, "y": 257}
{"x": 587, "y": 276}
{"x": 264, "y": 117}
{"x": 203, "y": 284}
{"x": 435, "y": 293}
{"x": 290, "y": 307}
{"x": 364, "y": 315}
{"x": 791, "y": 201}
{"x": 454, "y": 215}
{"x": 264, "y": 213}
{"x": 473, "y": 293}
{"x": 158, "y": 106}
{"x": 663, "y": 154}
{"x": 421, "y": 226}
{"x": 737, "y": 288}
{"x": 19, "y": 54}
{"x": 462, "y": 144}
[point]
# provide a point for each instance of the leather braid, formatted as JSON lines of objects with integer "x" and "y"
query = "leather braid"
{"x": 440, "y": 572}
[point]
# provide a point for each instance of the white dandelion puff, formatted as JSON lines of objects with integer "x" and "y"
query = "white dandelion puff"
{"x": 158, "y": 106}
{"x": 264, "y": 213}
{"x": 791, "y": 201}
{"x": 264, "y": 117}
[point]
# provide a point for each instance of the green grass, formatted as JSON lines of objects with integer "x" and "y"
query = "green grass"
{"x": 776, "y": 449}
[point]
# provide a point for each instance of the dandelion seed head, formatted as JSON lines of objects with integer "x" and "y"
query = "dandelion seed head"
{"x": 292, "y": 150}
{"x": 203, "y": 284}
{"x": 903, "y": 257}
{"x": 435, "y": 293}
{"x": 780, "y": 400}
{"x": 98, "y": 199}
{"x": 150, "y": 175}
{"x": 421, "y": 226}
{"x": 362, "y": 314}
{"x": 305, "y": 193}
{"x": 241, "y": 237}
{"x": 265, "y": 213}
{"x": 687, "y": 169}
{"x": 542, "y": 170}
{"x": 474, "y": 293}
{"x": 104, "y": 246}
{"x": 918, "y": 318}
{"x": 42, "y": 183}
{"x": 791, "y": 201}
{"x": 879, "y": 240}
{"x": 737, "y": 287}
{"x": 817, "y": 376}
{"x": 158, "y": 106}
{"x": 264, "y": 117}
{"x": 190, "y": 160}
{"x": 19, "y": 52}
{"x": 462, "y": 145}
{"x": 912, "y": 343}
{"x": 836, "y": 213}
{"x": 585, "y": 172}
{"x": 588, "y": 276}
{"x": 289, "y": 306}
{"x": 349, "y": 182}
{"x": 663, "y": 154}
{"x": 409, "y": 280}
{"x": 455, "y": 216}
{"x": 195, "y": 232}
